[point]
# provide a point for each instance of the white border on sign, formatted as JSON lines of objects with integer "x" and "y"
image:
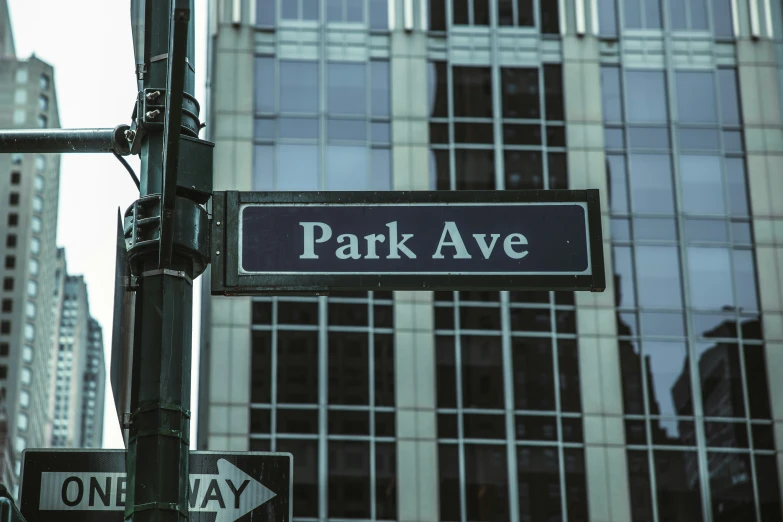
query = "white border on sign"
{"x": 587, "y": 271}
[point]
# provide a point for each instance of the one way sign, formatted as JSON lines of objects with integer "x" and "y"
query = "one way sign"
{"x": 86, "y": 486}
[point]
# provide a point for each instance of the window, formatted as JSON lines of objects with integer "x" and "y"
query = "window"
{"x": 348, "y": 375}
{"x": 43, "y": 82}
{"x": 306, "y": 483}
{"x": 35, "y": 246}
{"x": 36, "y": 224}
{"x": 379, "y": 15}
{"x": 298, "y": 86}
{"x": 5, "y": 327}
{"x": 32, "y": 288}
{"x": 10, "y": 262}
{"x": 349, "y": 489}
{"x": 30, "y": 310}
{"x": 27, "y": 353}
{"x": 42, "y": 121}
{"x": 470, "y": 12}
{"x": 20, "y": 116}
{"x": 13, "y": 199}
{"x": 21, "y": 75}
{"x": 299, "y": 10}
{"x": 22, "y": 419}
{"x": 20, "y": 96}
{"x": 4, "y": 349}
{"x": 24, "y": 398}
{"x": 346, "y": 88}
{"x": 472, "y": 92}
{"x": 722, "y": 26}
{"x": 266, "y": 13}
{"x": 13, "y": 219}
{"x": 26, "y": 376}
{"x": 10, "y": 241}
{"x": 345, "y": 11}
{"x": 8, "y": 283}
{"x": 38, "y": 183}
{"x": 7, "y": 306}
{"x": 38, "y": 204}
{"x": 696, "y": 97}
{"x": 642, "y": 14}
{"x": 29, "y": 332}
{"x": 40, "y": 163}
{"x": 43, "y": 103}
{"x": 16, "y": 177}
{"x": 20, "y": 444}
{"x": 646, "y": 96}
{"x": 688, "y": 15}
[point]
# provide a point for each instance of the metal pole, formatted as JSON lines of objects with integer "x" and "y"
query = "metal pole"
{"x": 65, "y": 140}
{"x": 158, "y": 443}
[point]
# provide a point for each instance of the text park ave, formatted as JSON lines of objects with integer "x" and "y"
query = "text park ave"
{"x": 513, "y": 244}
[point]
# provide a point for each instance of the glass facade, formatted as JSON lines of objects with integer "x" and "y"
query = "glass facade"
{"x": 482, "y": 96}
{"x": 483, "y": 339}
{"x": 696, "y": 400}
{"x": 322, "y": 369}
{"x": 322, "y": 126}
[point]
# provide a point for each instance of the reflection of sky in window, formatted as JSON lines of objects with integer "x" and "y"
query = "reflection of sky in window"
{"x": 658, "y": 274}
{"x": 666, "y": 362}
{"x": 710, "y": 277}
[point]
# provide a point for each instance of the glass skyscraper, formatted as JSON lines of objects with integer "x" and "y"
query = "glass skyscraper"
{"x": 656, "y": 400}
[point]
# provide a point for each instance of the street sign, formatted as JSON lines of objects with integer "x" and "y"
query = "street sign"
{"x": 87, "y": 486}
{"x": 311, "y": 243}
{"x": 122, "y": 332}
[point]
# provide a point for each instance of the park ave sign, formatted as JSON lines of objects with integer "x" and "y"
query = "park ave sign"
{"x": 85, "y": 485}
{"x": 322, "y": 241}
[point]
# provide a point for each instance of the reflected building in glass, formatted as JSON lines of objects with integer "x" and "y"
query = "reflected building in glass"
{"x": 656, "y": 400}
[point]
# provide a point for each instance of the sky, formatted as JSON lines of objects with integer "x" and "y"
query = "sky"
{"x": 89, "y": 44}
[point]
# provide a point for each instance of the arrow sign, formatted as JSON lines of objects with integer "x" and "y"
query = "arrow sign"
{"x": 231, "y": 493}
{"x": 92, "y": 485}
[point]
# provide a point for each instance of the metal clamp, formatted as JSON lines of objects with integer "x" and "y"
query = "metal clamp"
{"x": 166, "y": 271}
{"x": 141, "y": 226}
{"x": 152, "y": 405}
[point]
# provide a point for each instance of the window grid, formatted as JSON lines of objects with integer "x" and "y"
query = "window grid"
{"x": 550, "y": 128}
{"x": 536, "y": 15}
{"x": 672, "y": 16}
{"x": 268, "y": 318}
{"x": 469, "y": 319}
{"x": 702, "y": 449}
{"x": 370, "y": 14}
{"x": 333, "y": 134}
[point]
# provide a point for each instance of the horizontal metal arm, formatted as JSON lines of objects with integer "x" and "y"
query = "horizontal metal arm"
{"x": 65, "y": 140}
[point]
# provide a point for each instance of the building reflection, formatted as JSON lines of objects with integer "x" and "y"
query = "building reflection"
{"x": 719, "y": 364}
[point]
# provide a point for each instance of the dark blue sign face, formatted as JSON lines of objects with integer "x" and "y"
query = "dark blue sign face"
{"x": 448, "y": 239}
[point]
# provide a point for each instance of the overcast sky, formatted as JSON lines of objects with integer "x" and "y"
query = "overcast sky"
{"x": 89, "y": 44}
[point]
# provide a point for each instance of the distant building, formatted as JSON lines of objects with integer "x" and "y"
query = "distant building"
{"x": 71, "y": 362}
{"x": 77, "y": 373}
{"x": 93, "y": 388}
{"x": 29, "y": 189}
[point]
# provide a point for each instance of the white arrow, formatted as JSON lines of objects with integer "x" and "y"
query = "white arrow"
{"x": 230, "y": 494}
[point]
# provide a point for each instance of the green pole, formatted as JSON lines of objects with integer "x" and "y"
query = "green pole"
{"x": 158, "y": 442}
